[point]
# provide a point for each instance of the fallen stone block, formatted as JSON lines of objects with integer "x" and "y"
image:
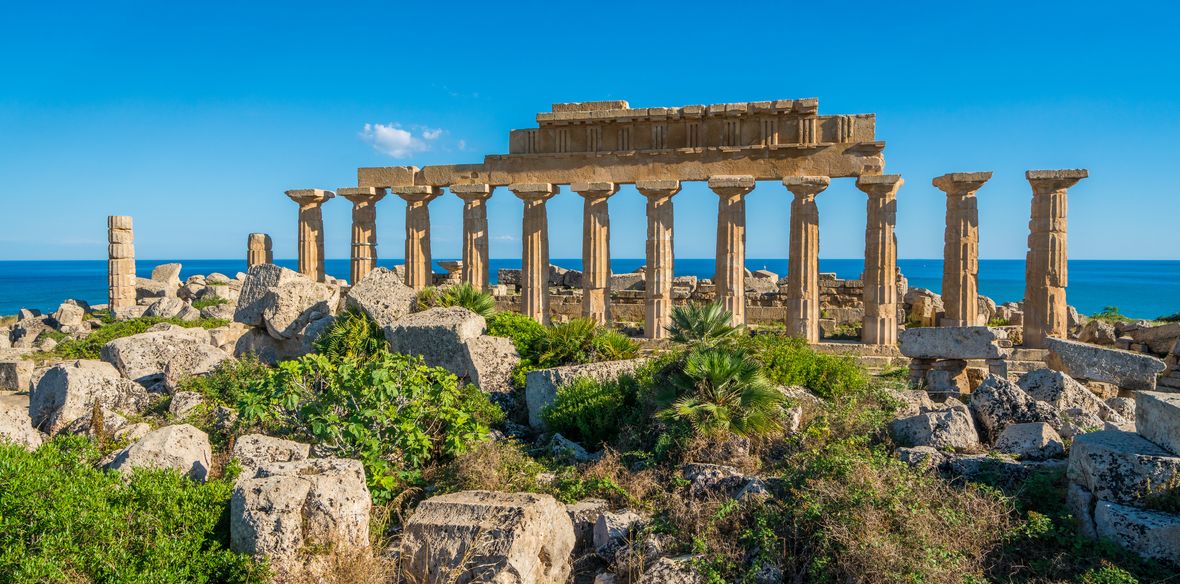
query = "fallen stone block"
{"x": 283, "y": 301}
{"x": 255, "y": 451}
{"x": 997, "y": 402}
{"x": 383, "y": 295}
{"x": 164, "y": 352}
{"x": 1123, "y": 368}
{"x": 949, "y": 429}
{"x": 1157, "y": 417}
{"x": 15, "y": 425}
{"x": 959, "y": 342}
{"x": 1151, "y": 534}
{"x": 1033, "y": 441}
{"x": 181, "y": 447}
{"x": 1122, "y": 467}
{"x": 16, "y": 375}
{"x": 68, "y": 391}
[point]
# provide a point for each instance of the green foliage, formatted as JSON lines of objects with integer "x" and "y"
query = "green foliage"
{"x": 567, "y": 343}
{"x": 1174, "y": 317}
{"x": 998, "y": 321}
{"x": 468, "y": 297}
{"x": 589, "y": 411}
{"x": 61, "y": 520}
{"x": 612, "y": 345}
{"x": 575, "y": 342}
{"x": 392, "y": 412}
{"x": 790, "y": 361}
{"x": 209, "y": 302}
{"x": 426, "y": 298}
{"x": 725, "y": 391}
{"x": 89, "y": 347}
{"x": 353, "y": 335}
{"x": 496, "y": 465}
{"x": 703, "y": 325}
{"x": 849, "y": 331}
{"x": 53, "y": 334}
{"x": 229, "y": 381}
{"x": 1111, "y": 315}
{"x": 526, "y": 333}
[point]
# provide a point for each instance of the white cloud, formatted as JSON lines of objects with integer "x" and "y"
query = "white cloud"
{"x": 393, "y": 140}
{"x": 462, "y": 144}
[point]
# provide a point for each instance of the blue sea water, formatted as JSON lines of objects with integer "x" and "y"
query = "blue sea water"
{"x": 1140, "y": 288}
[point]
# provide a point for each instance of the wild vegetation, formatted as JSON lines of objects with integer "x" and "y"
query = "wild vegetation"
{"x": 90, "y": 346}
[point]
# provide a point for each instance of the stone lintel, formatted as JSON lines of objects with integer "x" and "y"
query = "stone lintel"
{"x": 534, "y": 191}
{"x": 806, "y": 185}
{"x": 589, "y": 106}
{"x": 961, "y": 183}
{"x": 310, "y": 196}
{"x": 882, "y": 185}
{"x": 595, "y": 190}
{"x": 1044, "y": 181}
{"x": 732, "y": 181}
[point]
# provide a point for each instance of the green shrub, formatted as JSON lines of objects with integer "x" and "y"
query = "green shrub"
{"x": 1174, "y": 317}
{"x": 229, "y": 381}
{"x": 468, "y": 297}
{"x": 61, "y": 520}
{"x": 790, "y": 361}
{"x": 589, "y": 411}
{"x": 1111, "y": 315}
{"x": 353, "y": 335}
{"x": 89, "y": 347}
{"x": 703, "y": 325}
{"x": 526, "y": 333}
{"x": 999, "y": 322}
{"x": 426, "y": 298}
{"x": 392, "y": 412}
{"x": 568, "y": 343}
{"x": 612, "y": 345}
{"x": 209, "y": 302}
{"x": 725, "y": 391}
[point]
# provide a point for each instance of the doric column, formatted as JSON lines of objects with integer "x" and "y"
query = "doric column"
{"x": 120, "y": 264}
{"x": 364, "y": 229}
{"x": 595, "y": 249}
{"x": 419, "y": 267}
{"x": 311, "y": 230}
{"x": 960, "y": 252}
{"x": 880, "y": 276}
{"x": 660, "y": 256}
{"x": 1045, "y": 278}
{"x": 259, "y": 250}
{"x": 475, "y": 233}
{"x": 730, "y": 275}
{"x": 534, "y": 275}
{"x": 803, "y": 263}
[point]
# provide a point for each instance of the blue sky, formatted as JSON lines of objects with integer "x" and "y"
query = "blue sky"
{"x": 195, "y": 117}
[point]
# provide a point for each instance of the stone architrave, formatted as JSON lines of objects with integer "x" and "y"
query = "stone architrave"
{"x": 534, "y": 276}
{"x": 419, "y": 270}
{"x": 120, "y": 263}
{"x": 803, "y": 264}
{"x": 311, "y": 230}
{"x": 259, "y": 250}
{"x": 880, "y": 276}
{"x": 595, "y": 249}
{"x": 960, "y": 261}
{"x": 363, "y": 257}
{"x": 475, "y": 233}
{"x": 730, "y": 275}
{"x": 1046, "y": 273}
{"x": 660, "y": 256}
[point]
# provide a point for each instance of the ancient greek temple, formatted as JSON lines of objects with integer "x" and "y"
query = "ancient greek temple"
{"x": 592, "y": 148}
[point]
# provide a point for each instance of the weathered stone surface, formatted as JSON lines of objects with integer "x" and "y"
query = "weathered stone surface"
{"x": 584, "y": 515}
{"x": 483, "y": 536}
{"x": 676, "y": 570}
{"x": 491, "y": 360}
{"x": 541, "y": 385}
{"x": 285, "y": 508}
{"x": 1157, "y": 417}
{"x": 68, "y": 391}
{"x": 15, "y": 425}
{"x": 170, "y": 307}
{"x": 951, "y": 428}
{"x": 1123, "y": 368}
{"x": 1064, "y": 393}
{"x": 1148, "y": 533}
{"x": 283, "y": 301}
{"x": 16, "y": 375}
{"x": 383, "y": 295}
{"x": 255, "y": 451}
{"x": 69, "y": 315}
{"x": 998, "y": 402}
{"x": 1121, "y": 466}
{"x": 167, "y": 274}
{"x": 1002, "y": 472}
{"x": 166, "y": 351}
{"x": 612, "y": 527}
{"x": 1032, "y": 441}
{"x": 1158, "y": 339}
{"x": 184, "y": 403}
{"x": 1097, "y": 332}
{"x": 181, "y": 447}
{"x": 452, "y": 338}
{"x": 257, "y": 342}
{"x": 961, "y": 342}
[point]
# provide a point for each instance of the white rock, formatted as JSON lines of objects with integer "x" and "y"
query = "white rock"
{"x": 1123, "y": 368}
{"x": 1148, "y": 533}
{"x": 184, "y": 402}
{"x": 255, "y": 451}
{"x": 1031, "y": 441}
{"x": 959, "y": 342}
{"x": 165, "y": 351}
{"x": 997, "y": 402}
{"x": 584, "y": 515}
{"x": 167, "y": 274}
{"x": 383, "y": 295}
{"x": 1064, "y": 393}
{"x": 676, "y": 570}
{"x": 952, "y": 428}
{"x": 68, "y": 391}
{"x": 170, "y": 307}
{"x": 282, "y": 301}
{"x": 15, "y": 425}
{"x": 69, "y": 315}
{"x": 181, "y": 447}
{"x": 1157, "y": 416}
{"x": 1121, "y": 466}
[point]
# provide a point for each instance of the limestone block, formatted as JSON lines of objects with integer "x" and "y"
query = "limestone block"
{"x": 69, "y": 315}
{"x": 1064, "y": 393}
{"x": 1121, "y": 466}
{"x": 951, "y": 429}
{"x": 452, "y": 338}
{"x": 1032, "y": 441}
{"x": 541, "y": 385}
{"x": 164, "y": 352}
{"x": 1159, "y": 339}
{"x": 1157, "y": 416}
{"x": 1123, "y": 368}
{"x": 16, "y": 375}
{"x": 1003, "y": 472}
{"x": 172, "y": 308}
{"x": 676, "y": 570}
{"x": 68, "y": 391}
{"x": 612, "y": 527}
{"x": 383, "y": 295}
{"x": 184, "y": 403}
{"x": 967, "y": 342}
{"x": 631, "y": 281}
{"x": 584, "y": 515}
{"x": 997, "y": 403}
{"x": 491, "y": 361}
{"x": 181, "y": 447}
{"x": 258, "y": 343}
{"x": 1097, "y": 332}
{"x": 255, "y": 451}
{"x": 483, "y": 536}
{"x": 168, "y": 274}
{"x": 283, "y": 301}
{"x": 1151, "y": 534}
{"x": 15, "y": 425}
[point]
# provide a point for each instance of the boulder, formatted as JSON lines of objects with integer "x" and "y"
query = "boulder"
{"x": 164, "y": 352}
{"x": 226, "y": 337}
{"x": 383, "y": 295}
{"x": 69, "y": 315}
{"x": 16, "y": 375}
{"x": 997, "y": 402}
{"x": 1097, "y": 332}
{"x": 958, "y": 342}
{"x": 147, "y": 289}
{"x": 541, "y": 385}
{"x": 613, "y": 527}
{"x": 484, "y": 536}
{"x": 1151, "y": 534}
{"x": 167, "y": 274}
{"x": 171, "y": 307}
{"x": 1123, "y": 368}
{"x": 452, "y": 338}
{"x": 676, "y": 570}
{"x": 1158, "y": 339}
{"x": 949, "y": 429}
{"x": 284, "y": 509}
{"x": 132, "y": 432}
{"x": 629, "y": 281}
{"x": 584, "y": 515}
{"x": 921, "y": 457}
{"x": 258, "y": 343}
{"x": 508, "y": 276}
{"x": 712, "y": 479}
{"x": 1032, "y": 441}
{"x": 181, "y": 447}
{"x": 1122, "y": 467}
{"x": 255, "y": 451}
{"x": 15, "y": 425}
{"x": 184, "y": 403}
{"x": 217, "y": 279}
{"x": 112, "y": 422}
{"x": 1157, "y": 417}
{"x": 925, "y": 306}
{"x": 1064, "y": 393}
{"x": 282, "y": 301}
{"x": 68, "y": 391}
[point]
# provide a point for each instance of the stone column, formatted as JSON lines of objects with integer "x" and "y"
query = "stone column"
{"x": 534, "y": 273}
{"x": 595, "y": 249}
{"x": 419, "y": 267}
{"x": 960, "y": 252}
{"x": 259, "y": 250}
{"x": 730, "y": 275}
{"x": 311, "y": 230}
{"x": 880, "y": 277}
{"x": 120, "y": 264}
{"x": 475, "y": 233}
{"x": 364, "y": 229}
{"x": 803, "y": 262}
{"x": 660, "y": 257}
{"x": 1045, "y": 278}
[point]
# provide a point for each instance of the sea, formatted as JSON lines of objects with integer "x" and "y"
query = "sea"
{"x": 1139, "y": 288}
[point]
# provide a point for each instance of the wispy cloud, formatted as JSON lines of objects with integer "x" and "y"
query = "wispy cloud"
{"x": 505, "y": 238}
{"x": 397, "y": 142}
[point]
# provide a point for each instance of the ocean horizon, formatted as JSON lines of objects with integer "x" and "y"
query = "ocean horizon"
{"x": 1139, "y": 288}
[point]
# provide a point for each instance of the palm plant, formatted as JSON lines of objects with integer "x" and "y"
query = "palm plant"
{"x": 725, "y": 391}
{"x": 569, "y": 342}
{"x": 703, "y": 325}
{"x": 352, "y": 335}
{"x": 612, "y": 345}
{"x": 468, "y": 297}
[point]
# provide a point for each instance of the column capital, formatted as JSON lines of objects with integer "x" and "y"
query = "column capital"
{"x": 806, "y": 186}
{"x": 1050, "y": 181}
{"x": 417, "y": 193}
{"x": 361, "y": 195}
{"x": 961, "y": 184}
{"x": 476, "y": 192}
{"x": 309, "y": 197}
{"x": 881, "y": 185}
{"x": 658, "y": 189}
{"x": 731, "y": 185}
{"x": 534, "y": 191}
{"x": 595, "y": 190}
